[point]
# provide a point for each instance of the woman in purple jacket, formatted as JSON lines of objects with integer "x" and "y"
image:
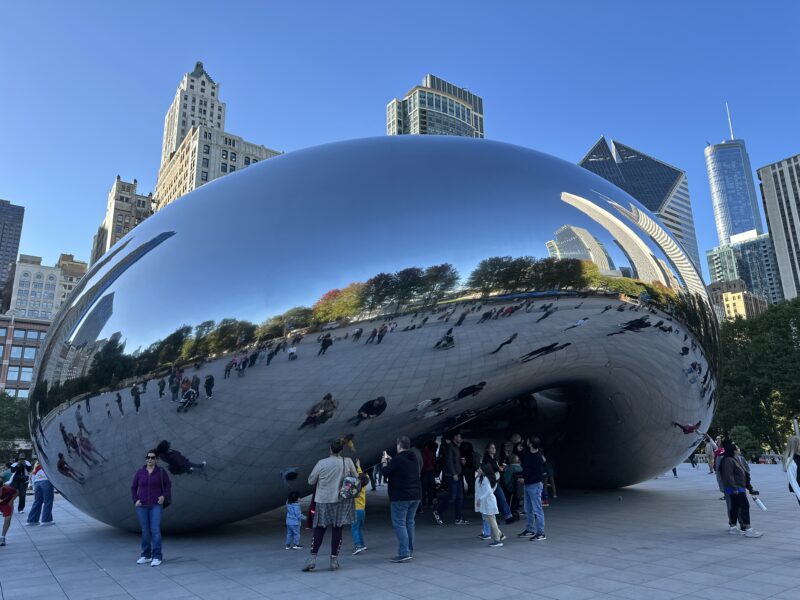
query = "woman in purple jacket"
{"x": 150, "y": 490}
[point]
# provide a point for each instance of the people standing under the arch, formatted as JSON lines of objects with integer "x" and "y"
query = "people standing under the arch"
{"x": 7, "y": 495}
{"x": 490, "y": 458}
{"x": 405, "y": 491}
{"x": 791, "y": 465}
{"x": 533, "y": 477}
{"x": 735, "y": 484}
{"x": 43, "y": 493}
{"x": 451, "y": 473}
{"x": 331, "y": 509}
{"x": 325, "y": 343}
{"x": 137, "y": 397}
{"x": 357, "y": 528}
{"x": 294, "y": 516}
{"x": 21, "y": 470}
{"x": 150, "y": 491}
{"x": 486, "y": 504}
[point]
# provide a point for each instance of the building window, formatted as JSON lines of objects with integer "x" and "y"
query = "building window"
{"x": 223, "y": 167}
{"x": 203, "y": 175}
{"x": 19, "y": 334}
{"x": 225, "y": 154}
{"x": 16, "y": 351}
{"x": 22, "y": 393}
{"x": 205, "y": 163}
{"x": 29, "y": 353}
{"x": 13, "y": 375}
{"x": 26, "y": 374}
{"x": 233, "y": 168}
{"x": 206, "y": 149}
{"x": 2, "y": 333}
{"x": 233, "y": 156}
{"x": 246, "y": 160}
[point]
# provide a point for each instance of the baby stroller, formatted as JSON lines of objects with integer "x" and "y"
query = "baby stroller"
{"x": 188, "y": 400}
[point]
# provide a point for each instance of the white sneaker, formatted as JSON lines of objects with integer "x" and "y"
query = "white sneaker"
{"x": 46, "y": 523}
{"x": 143, "y": 560}
{"x": 752, "y": 533}
{"x": 31, "y": 523}
{"x": 156, "y": 562}
{"x": 735, "y": 530}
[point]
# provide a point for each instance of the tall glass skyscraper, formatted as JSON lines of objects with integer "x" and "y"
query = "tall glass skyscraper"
{"x": 749, "y": 257}
{"x": 661, "y": 188}
{"x": 11, "y": 217}
{"x": 733, "y": 194}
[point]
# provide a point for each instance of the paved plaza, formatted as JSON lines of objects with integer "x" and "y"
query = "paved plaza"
{"x": 665, "y": 538}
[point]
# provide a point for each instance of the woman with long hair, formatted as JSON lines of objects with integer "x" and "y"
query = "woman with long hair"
{"x": 331, "y": 509}
{"x": 735, "y": 484}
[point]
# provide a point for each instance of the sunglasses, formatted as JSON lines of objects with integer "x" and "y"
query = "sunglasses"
{"x": 150, "y": 457}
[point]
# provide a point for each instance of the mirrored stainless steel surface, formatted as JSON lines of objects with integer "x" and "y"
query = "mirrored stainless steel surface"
{"x": 620, "y": 389}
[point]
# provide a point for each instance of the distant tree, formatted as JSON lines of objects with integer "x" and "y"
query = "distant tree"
{"x": 230, "y": 334}
{"x": 748, "y": 444}
{"x": 351, "y": 301}
{"x": 13, "y": 418}
{"x": 488, "y": 275}
{"x": 515, "y": 274}
{"x": 408, "y": 283}
{"x": 325, "y": 308}
{"x": 294, "y": 318}
{"x": 378, "y": 290}
{"x": 438, "y": 281}
{"x": 621, "y": 285}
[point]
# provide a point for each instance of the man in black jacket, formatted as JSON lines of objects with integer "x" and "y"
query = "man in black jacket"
{"x": 405, "y": 492}
{"x": 533, "y": 476}
{"x": 451, "y": 474}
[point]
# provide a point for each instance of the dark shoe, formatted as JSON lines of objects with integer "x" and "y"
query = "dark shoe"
{"x": 526, "y": 533}
{"x": 334, "y": 563}
{"x": 483, "y": 536}
{"x": 512, "y": 519}
{"x": 399, "y": 559}
{"x": 539, "y": 537}
{"x": 437, "y": 518}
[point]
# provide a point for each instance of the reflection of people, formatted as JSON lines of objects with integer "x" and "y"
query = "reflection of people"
{"x": 505, "y": 343}
{"x": 320, "y": 412}
{"x": 178, "y": 463}
{"x": 68, "y": 471}
{"x": 161, "y": 385}
{"x": 79, "y": 421}
{"x": 369, "y": 410}
{"x": 331, "y": 509}
{"x": 405, "y": 491}
{"x": 7, "y": 495}
{"x": 137, "y": 397}
{"x": 42, "y": 498}
{"x": 209, "y": 386}
{"x": 577, "y": 323}
{"x": 324, "y": 344}
{"x": 687, "y": 429}
{"x": 542, "y": 351}
{"x": 150, "y": 489}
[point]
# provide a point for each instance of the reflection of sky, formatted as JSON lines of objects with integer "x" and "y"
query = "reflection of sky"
{"x": 283, "y": 232}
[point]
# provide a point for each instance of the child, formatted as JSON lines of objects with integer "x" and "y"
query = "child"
{"x": 486, "y": 503}
{"x": 357, "y": 528}
{"x": 293, "y": 519}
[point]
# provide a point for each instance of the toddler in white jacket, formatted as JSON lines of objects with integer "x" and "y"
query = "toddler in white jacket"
{"x": 486, "y": 503}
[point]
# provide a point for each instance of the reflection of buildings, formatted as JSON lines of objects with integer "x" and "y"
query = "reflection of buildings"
{"x": 578, "y": 243}
{"x": 749, "y": 257}
{"x": 124, "y": 211}
{"x": 196, "y": 149}
{"x": 659, "y": 187}
{"x": 21, "y": 338}
{"x": 733, "y": 194}
{"x": 644, "y": 264}
{"x": 779, "y": 191}
{"x": 674, "y": 253}
{"x": 89, "y": 330}
{"x": 732, "y": 299}
{"x": 436, "y": 108}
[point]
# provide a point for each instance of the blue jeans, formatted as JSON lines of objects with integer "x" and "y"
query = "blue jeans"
{"x": 357, "y": 528}
{"x": 150, "y": 522}
{"x": 455, "y": 496}
{"x": 502, "y": 504}
{"x": 533, "y": 507}
{"x": 292, "y": 533}
{"x": 42, "y": 502}
{"x": 403, "y": 513}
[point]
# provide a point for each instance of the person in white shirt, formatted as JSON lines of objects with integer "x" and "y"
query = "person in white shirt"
{"x": 43, "y": 494}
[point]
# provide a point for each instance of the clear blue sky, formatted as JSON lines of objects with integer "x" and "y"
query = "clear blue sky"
{"x": 84, "y": 86}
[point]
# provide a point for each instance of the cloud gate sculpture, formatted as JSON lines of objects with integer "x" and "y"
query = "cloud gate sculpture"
{"x": 474, "y": 276}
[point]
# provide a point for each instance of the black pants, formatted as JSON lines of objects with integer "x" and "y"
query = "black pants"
{"x": 21, "y": 488}
{"x": 336, "y": 540}
{"x": 428, "y": 488}
{"x": 738, "y": 509}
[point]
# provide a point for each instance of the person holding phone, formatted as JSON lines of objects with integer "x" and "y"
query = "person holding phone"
{"x": 150, "y": 491}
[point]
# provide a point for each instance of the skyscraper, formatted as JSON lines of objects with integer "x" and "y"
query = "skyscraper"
{"x": 436, "y": 107}
{"x": 749, "y": 257}
{"x": 661, "y": 188}
{"x": 733, "y": 194}
{"x": 779, "y": 191}
{"x": 578, "y": 243}
{"x": 125, "y": 209}
{"x": 196, "y": 148}
{"x": 11, "y": 217}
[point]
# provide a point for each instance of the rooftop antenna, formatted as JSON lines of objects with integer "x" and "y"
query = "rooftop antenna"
{"x": 730, "y": 123}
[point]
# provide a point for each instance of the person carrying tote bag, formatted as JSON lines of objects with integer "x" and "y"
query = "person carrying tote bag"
{"x": 330, "y": 476}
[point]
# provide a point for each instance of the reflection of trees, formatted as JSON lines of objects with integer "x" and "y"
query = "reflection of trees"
{"x": 504, "y": 274}
{"x": 339, "y": 304}
{"x": 294, "y": 318}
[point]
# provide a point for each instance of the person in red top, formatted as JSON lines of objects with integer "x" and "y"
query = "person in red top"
{"x": 7, "y": 495}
